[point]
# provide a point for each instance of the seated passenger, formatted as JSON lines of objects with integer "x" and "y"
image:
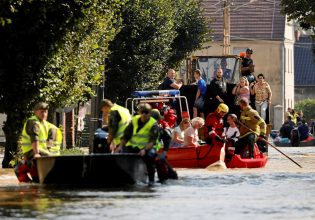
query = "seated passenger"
{"x": 178, "y": 133}
{"x": 232, "y": 131}
{"x": 232, "y": 134}
{"x": 286, "y": 128}
{"x": 303, "y": 130}
{"x": 191, "y": 137}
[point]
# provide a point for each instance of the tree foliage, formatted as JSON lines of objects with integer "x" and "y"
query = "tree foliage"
{"x": 303, "y": 11}
{"x": 307, "y": 106}
{"x": 50, "y": 50}
{"x": 156, "y": 35}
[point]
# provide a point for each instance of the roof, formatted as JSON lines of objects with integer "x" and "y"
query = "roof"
{"x": 304, "y": 65}
{"x": 249, "y": 19}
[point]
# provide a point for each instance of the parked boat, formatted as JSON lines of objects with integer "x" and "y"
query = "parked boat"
{"x": 309, "y": 142}
{"x": 97, "y": 170}
{"x": 204, "y": 155}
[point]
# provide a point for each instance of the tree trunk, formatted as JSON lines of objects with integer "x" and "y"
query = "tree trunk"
{"x": 12, "y": 129}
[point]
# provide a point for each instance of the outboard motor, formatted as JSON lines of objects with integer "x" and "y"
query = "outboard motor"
{"x": 100, "y": 142}
{"x": 295, "y": 137}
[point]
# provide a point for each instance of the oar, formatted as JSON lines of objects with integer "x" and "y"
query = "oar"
{"x": 271, "y": 145}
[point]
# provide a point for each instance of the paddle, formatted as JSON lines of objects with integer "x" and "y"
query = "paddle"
{"x": 220, "y": 163}
{"x": 262, "y": 139}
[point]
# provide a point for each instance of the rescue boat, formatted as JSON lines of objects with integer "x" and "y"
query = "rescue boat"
{"x": 94, "y": 169}
{"x": 309, "y": 142}
{"x": 205, "y": 155}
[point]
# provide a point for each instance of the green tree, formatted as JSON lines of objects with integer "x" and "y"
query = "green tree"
{"x": 156, "y": 35}
{"x": 303, "y": 12}
{"x": 307, "y": 106}
{"x": 50, "y": 50}
{"x": 191, "y": 28}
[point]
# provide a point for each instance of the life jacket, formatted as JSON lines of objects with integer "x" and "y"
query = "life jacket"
{"x": 26, "y": 144}
{"x": 57, "y": 140}
{"x": 123, "y": 123}
{"x": 141, "y": 138}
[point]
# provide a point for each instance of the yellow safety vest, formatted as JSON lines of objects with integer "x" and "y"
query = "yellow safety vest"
{"x": 141, "y": 138}
{"x": 57, "y": 140}
{"x": 26, "y": 144}
{"x": 123, "y": 123}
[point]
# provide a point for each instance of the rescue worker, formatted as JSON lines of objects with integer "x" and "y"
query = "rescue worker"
{"x": 251, "y": 125}
{"x": 37, "y": 135}
{"x": 214, "y": 126}
{"x": 119, "y": 118}
{"x": 163, "y": 168}
{"x": 140, "y": 137}
{"x": 247, "y": 66}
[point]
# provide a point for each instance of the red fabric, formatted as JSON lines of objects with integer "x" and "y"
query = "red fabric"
{"x": 214, "y": 122}
{"x": 170, "y": 118}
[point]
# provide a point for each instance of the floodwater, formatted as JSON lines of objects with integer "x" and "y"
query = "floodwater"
{"x": 281, "y": 190}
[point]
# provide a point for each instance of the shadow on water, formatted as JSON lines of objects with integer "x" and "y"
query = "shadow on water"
{"x": 33, "y": 200}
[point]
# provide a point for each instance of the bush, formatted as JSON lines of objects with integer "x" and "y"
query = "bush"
{"x": 307, "y": 106}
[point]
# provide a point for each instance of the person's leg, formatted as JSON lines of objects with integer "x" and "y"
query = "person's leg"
{"x": 258, "y": 107}
{"x": 263, "y": 110}
{"x": 195, "y": 112}
{"x": 240, "y": 145}
{"x": 251, "y": 142}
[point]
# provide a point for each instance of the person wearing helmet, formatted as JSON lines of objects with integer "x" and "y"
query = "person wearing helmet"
{"x": 251, "y": 125}
{"x": 214, "y": 126}
{"x": 247, "y": 66}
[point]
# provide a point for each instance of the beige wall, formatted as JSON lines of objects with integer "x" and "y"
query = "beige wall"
{"x": 269, "y": 59}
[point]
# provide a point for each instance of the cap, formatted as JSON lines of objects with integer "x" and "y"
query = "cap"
{"x": 156, "y": 114}
{"x": 144, "y": 107}
{"x": 249, "y": 50}
{"x": 41, "y": 105}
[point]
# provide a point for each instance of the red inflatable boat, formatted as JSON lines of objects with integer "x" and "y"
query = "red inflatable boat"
{"x": 204, "y": 155}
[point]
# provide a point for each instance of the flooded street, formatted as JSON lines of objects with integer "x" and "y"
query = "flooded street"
{"x": 281, "y": 190}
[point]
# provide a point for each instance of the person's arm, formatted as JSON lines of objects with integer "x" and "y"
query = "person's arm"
{"x": 177, "y": 138}
{"x": 33, "y": 129}
{"x": 261, "y": 123}
{"x": 269, "y": 93}
{"x": 114, "y": 119}
{"x": 235, "y": 89}
{"x": 176, "y": 85}
{"x": 127, "y": 135}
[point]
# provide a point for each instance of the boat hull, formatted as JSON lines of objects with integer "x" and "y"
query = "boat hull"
{"x": 205, "y": 155}
{"x": 97, "y": 170}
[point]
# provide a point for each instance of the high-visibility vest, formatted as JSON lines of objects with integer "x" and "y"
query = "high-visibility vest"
{"x": 158, "y": 144}
{"x": 26, "y": 144}
{"x": 141, "y": 138}
{"x": 123, "y": 123}
{"x": 57, "y": 140}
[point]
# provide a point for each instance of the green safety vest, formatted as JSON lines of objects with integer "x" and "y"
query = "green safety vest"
{"x": 57, "y": 141}
{"x": 123, "y": 123}
{"x": 141, "y": 138}
{"x": 26, "y": 144}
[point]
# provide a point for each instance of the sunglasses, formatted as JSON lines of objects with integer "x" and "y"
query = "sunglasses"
{"x": 144, "y": 112}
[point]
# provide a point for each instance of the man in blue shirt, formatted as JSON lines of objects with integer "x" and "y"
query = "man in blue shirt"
{"x": 303, "y": 130}
{"x": 201, "y": 94}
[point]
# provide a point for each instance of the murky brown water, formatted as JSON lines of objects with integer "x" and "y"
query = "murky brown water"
{"x": 280, "y": 191}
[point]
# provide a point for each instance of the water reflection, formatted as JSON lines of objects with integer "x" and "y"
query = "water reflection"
{"x": 280, "y": 191}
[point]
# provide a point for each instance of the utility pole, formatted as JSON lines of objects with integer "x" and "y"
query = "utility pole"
{"x": 226, "y": 27}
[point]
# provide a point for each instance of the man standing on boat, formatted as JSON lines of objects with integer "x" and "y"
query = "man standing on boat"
{"x": 37, "y": 139}
{"x": 251, "y": 125}
{"x": 214, "y": 126}
{"x": 140, "y": 137}
{"x": 118, "y": 119}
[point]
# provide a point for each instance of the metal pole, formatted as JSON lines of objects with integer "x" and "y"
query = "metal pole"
{"x": 226, "y": 27}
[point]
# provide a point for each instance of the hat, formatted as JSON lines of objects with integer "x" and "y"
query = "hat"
{"x": 41, "y": 105}
{"x": 144, "y": 107}
{"x": 156, "y": 114}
